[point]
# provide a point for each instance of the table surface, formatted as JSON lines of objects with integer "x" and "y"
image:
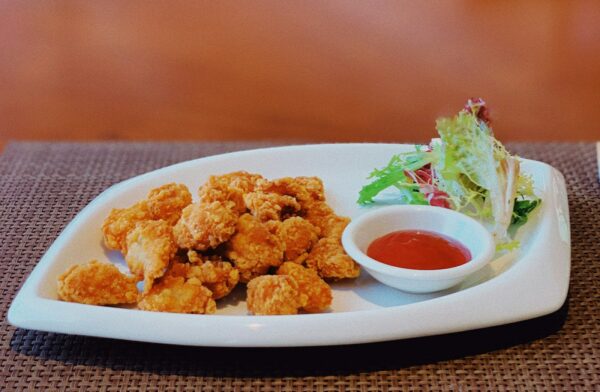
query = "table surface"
{"x": 44, "y": 185}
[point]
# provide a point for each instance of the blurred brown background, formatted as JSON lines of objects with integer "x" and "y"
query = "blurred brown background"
{"x": 302, "y": 70}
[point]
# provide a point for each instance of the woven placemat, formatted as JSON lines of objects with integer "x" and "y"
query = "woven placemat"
{"x": 43, "y": 186}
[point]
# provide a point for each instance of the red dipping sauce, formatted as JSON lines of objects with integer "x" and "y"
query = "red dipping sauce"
{"x": 419, "y": 250}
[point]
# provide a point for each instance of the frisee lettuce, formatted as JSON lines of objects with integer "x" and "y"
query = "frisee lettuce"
{"x": 466, "y": 169}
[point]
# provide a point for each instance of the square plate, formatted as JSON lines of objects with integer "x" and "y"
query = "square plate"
{"x": 530, "y": 282}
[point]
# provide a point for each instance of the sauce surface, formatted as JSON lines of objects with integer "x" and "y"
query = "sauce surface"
{"x": 419, "y": 250}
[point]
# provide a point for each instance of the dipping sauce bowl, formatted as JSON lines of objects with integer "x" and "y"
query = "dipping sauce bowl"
{"x": 362, "y": 231}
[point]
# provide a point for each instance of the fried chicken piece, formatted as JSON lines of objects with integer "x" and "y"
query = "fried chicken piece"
{"x": 318, "y": 292}
{"x": 150, "y": 247}
{"x": 254, "y": 249}
{"x": 334, "y": 226}
{"x": 178, "y": 268}
{"x": 317, "y": 213}
{"x": 217, "y": 275}
{"x": 299, "y": 236}
{"x": 96, "y": 283}
{"x": 273, "y": 226}
{"x": 229, "y": 187}
{"x": 274, "y": 294}
{"x": 220, "y": 277}
{"x": 166, "y": 202}
{"x": 305, "y": 190}
{"x": 175, "y": 294}
{"x": 270, "y": 206}
{"x": 205, "y": 225}
{"x": 121, "y": 221}
{"x": 313, "y": 185}
{"x": 330, "y": 261}
{"x": 321, "y": 215}
{"x": 195, "y": 257}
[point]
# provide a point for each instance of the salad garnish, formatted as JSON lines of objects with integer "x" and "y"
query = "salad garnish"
{"x": 466, "y": 169}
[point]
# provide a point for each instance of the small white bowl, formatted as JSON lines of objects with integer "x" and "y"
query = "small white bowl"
{"x": 371, "y": 225}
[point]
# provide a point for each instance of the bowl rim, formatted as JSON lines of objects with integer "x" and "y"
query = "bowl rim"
{"x": 477, "y": 261}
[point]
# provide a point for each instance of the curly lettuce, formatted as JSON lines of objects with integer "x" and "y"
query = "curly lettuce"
{"x": 466, "y": 169}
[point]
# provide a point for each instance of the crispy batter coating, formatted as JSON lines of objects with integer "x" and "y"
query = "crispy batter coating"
{"x": 254, "y": 249}
{"x": 317, "y": 213}
{"x": 330, "y": 260}
{"x": 229, "y": 187}
{"x": 150, "y": 247}
{"x": 299, "y": 236}
{"x": 166, "y": 202}
{"x": 96, "y": 283}
{"x": 321, "y": 215}
{"x": 274, "y": 294}
{"x": 217, "y": 275}
{"x": 313, "y": 185}
{"x": 334, "y": 226}
{"x": 286, "y": 186}
{"x": 318, "y": 292}
{"x": 270, "y": 206}
{"x": 177, "y": 295}
{"x": 121, "y": 221}
{"x": 220, "y": 277}
{"x": 178, "y": 268}
{"x": 205, "y": 225}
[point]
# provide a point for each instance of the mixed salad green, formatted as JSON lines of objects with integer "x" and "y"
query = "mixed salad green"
{"x": 465, "y": 169}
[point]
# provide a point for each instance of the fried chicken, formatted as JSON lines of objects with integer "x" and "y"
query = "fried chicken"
{"x": 217, "y": 275}
{"x": 121, "y": 221}
{"x": 254, "y": 249}
{"x": 229, "y": 187}
{"x": 175, "y": 294}
{"x": 286, "y": 186}
{"x": 96, "y": 283}
{"x": 166, "y": 202}
{"x": 243, "y": 228}
{"x": 330, "y": 261}
{"x": 274, "y": 294}
{"x": 150, "y": 247}
{"x": 205, "y": 225}
{"x": 270, "y": 206}
{"x": 299, "y": 236}
{"x": 318, "y": 292}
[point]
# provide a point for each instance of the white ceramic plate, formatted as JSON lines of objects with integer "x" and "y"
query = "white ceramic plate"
{"x": 526, "y": 284}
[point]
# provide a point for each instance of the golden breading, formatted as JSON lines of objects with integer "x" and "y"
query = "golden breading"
{"x": 318, "y": 292}
{"x": 286, "y": 186}
{"x": 254, "y": 249}
{"x": 274, "y": 294}
{"x": 218, "y": 276}
{"x": 333, "y": 226}
{"x": 178, "y": 268}
{"x": 195, "y": 257}
{"x": 177, "y": 295}
{"x": 122, "y": 220}
{"x": 166, "y": 202}
{"x": 317, "y": 213}
{"x": 270, "y": 206}
{"x": 321, "y": 215}
{"x": 299, "y": 236}
{"x": 330, "y": 261}
{"x": 313, "y": 185}
{"x": 150, "y": 247}
{"x": 205, "y": 225}
{"x": 96, "y": 283}
{"x": 229, "y": 187}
